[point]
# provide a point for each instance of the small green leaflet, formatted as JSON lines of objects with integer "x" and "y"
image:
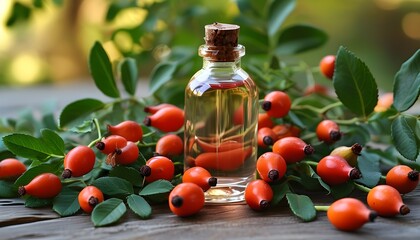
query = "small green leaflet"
{"x": 108, "y": 212}
{"x": 7, "y": 190}
{"x": 114, "y": 186}
{"x": 32, "y": 172}
{"x": 300, "y": 38}
{"x": 76, "y": 112}
{"x": 301, "y": 206}
{"x": 407, "y": 83}
{"x": 129, "y": 74}
{"x": 354, "y": 84}
{"x": 279, "y": 191}
{"x": 33, "y": 202}
{"x": 66, "y": 203}
{"x": 161, "y": 74}
{"x": 101, "y": 71}
{"x": 49, "y": 144}
{"x": 139, "y": 206}
{"x": 403, "y": 132}
{"x": 156, "y": 187}
{"x": 278, "y": 12}
{"x": 368, "y": 164}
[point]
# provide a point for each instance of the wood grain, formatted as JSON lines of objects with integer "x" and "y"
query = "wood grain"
{"x": 213, "y": 222}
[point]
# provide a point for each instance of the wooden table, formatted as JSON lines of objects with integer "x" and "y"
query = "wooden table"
{"x": 213, "y": 222}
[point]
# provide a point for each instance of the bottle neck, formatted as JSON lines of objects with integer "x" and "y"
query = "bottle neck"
{"x": 211, "y": 64}
{"x": 224, "y": 54}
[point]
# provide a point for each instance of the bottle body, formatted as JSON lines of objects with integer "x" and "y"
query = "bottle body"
{"x": 221, "y": 115}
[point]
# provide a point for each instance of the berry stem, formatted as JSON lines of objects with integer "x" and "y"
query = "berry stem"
{"x": 91, "y": 144}
{"x": 311, "y": 163}
{"x": 361, "y": 187}
{"x": 321, "y": 208}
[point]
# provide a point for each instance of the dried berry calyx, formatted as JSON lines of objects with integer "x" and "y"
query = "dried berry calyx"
{"x": 413, "y": 175}
{"x": 66, "y": 173}
{"x": 308, "y": 150}
{"x": 93, "y": 201}
{"x": 273, "y": 175}
{"x": 355, "y": 174}
{"x": 212, "y": 181}
{"x": 404, "y": 210}
{"x": 267, "y": 140}
{"x": 264, "y": 204}
{"x": 177, "y": 201}
{"x": 145, "y": 171}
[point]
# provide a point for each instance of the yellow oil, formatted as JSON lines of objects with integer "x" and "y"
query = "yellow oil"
{"x": 221, "y": 112}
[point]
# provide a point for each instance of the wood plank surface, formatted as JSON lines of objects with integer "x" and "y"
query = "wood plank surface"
{"x": 236, "y": 221}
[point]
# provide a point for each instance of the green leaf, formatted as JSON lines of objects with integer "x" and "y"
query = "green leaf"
{"x": 156, "y": 187}
{"x": 128, "y": 173}
{"x": 300, "y": 38}
{"x": 342, "y": 190}
{"x": 66, "y": 203}
{"x": 160, "y": 75}
{"x": 32, "y": 172}
{"x": 129, "y": 74}
{"x": 368, "y": 164}
{"x": 403, "y": 132}
{"x": 108, "y": 212}
{"x": 76, "y": 112}
{"x": 33, "y": 202}
{"x": 279, "y": 191}
{"x": 301, "y": 206}
{"x": 278, "y": 12}
{"x": 7, "y": 189}
{"x": 35, "y": 148}
{"x": 407, "y": 83}
{"x": 101, "y": 70}
{"x": 354, "y": 84}
{"x": 20, "y": 13}
{"x": 54, "y": 142}
{"x": 139, "y": 206}
{"x": 114, "y": 186}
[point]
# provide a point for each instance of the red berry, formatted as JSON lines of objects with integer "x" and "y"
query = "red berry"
{"x": 158, "y": 167}
{"x": 335, "y": 170}
{"x": 89, "y": 197}
{"x": 11, "y": 169}
{"x": 349, "y": 214}
{"x": 327, "y": 65}
{"x": 328, "y": 131}
{"x": 78, "y": 162}
{"x": 130, "y": 130}
{"x": 199, "y": 176}
{"x": 258, "y": 194}
{"x": 169, "y": 119}
{"x": 111, "y": 143}
{"x": 386, "y": 201}
{"x": 127, "y": 155}
{"x": 266, "y": 137}
{"x": 292, "y": 149}
{"x": 45, "y": 185}
{"x": 186, "y": 199}
{"x": 169, "y": 145}
{"x": 402, "y": 178}
{"x": 277, "y": 104}
{"x": 271, "y": 166}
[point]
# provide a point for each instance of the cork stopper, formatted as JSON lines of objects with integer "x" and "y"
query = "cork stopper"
{"x": 221, "y": 43}
{"x": 222, "y": 34}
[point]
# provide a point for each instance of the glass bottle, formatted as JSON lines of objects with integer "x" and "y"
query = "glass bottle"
{"x": 221, "y": 115}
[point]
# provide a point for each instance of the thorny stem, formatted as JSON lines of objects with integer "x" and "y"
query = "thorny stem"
{"x": 321, "y": 208}
{"x": 361, "y": 187}
{"x": 91, "y": 144}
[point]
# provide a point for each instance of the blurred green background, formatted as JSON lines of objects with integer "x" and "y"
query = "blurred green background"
{"x": 48, "y": 41}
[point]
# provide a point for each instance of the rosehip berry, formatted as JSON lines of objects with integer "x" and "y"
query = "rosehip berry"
{"x": 111, "y": 143}
{"x": 315, "y": 89}
{"x": 286, "y": 130}
{"x": 271, "y": 167}
{"x": 78, "y": 162}
{"x": 266, "y": 137}
{"x": 45, "y": 185}
{"x": 130, "y": 130}
{"x": 327, "y": 65}
{"x": 335, "y": 170}
{"x": 402, "y": 178}
{"x": 292, "y": 149}
{"x": 153, "y": 109}
{"x": 277, "y": 104}
{"x": 199, "y": 176}
{"x": 126, "y": 155}
{"x": 89, "y": 197}
{"x": 186, "y": 199}
{"x": 11, "y": 169}
{"x": 349, "y": 153}
{"x": 169, "y": 119}
{"x": 264, "y": 121}
{"x": 328, "y": 131}
{"x": 349, "y": 214}
{"x": 385, "y": 101}
{"x": 169, "y": 145}
{"x": 158, "y": 167}
{"x": 258, "y": 194}
{"x": 386, "y": 201}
